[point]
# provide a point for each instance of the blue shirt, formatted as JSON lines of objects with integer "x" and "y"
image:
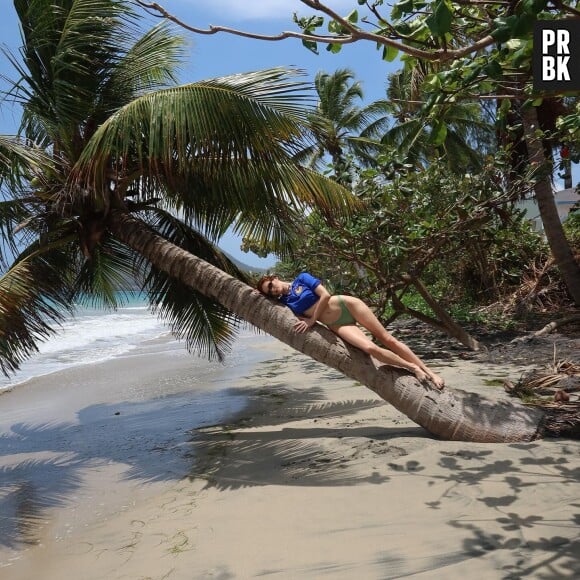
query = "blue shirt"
{"x": 302, "y": 295}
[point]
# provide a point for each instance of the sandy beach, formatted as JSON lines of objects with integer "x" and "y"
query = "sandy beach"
{"x": 273, "y": 466}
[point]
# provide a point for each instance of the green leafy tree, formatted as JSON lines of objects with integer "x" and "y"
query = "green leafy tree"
{"x": 464, "y": 227}
{"x": 486, "y": 48}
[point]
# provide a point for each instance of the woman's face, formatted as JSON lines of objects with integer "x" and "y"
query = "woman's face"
{"x": 274, "y": 287}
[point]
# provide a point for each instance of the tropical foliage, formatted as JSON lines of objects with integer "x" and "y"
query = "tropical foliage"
{"x": 343, "y": 129}
{"x": 455, "y": 131}
{"x": 460, "y": 235}
{"x": 483, "y": 51}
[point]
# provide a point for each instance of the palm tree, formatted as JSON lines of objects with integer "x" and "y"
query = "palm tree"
{"x": 107, "y": 146}
{"x": 341, "y": 126}
{"x": 555, "y": 235}
{"x": 454, "y": 131}
{"x": 451, "y": 415}
{"x": 106, "y": 127}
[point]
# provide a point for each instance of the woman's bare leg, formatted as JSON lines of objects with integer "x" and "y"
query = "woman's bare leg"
{"x": 366, "y": 318}
{"x": 355, "y": 336}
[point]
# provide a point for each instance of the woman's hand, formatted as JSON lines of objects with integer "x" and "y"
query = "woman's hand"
{"x": 304, "y": 324}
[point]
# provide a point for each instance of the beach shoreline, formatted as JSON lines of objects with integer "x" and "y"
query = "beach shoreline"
{"x": 81, "y": 444}
{"x": 305, "y": 475}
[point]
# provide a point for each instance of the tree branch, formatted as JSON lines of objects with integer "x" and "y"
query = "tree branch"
{"x": 570, "y": 9}
{"x": 355, "y": 35}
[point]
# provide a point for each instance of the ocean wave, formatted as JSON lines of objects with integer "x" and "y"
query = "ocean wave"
{"x": 89, "y": 337}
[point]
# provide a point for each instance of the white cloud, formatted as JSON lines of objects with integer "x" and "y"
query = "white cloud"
{"x": 265, "y": 9}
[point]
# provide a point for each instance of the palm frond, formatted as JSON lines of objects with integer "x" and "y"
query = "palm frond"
{"x": 218, "y": 148}
{"x": 274, "y": 88}
{"x": 12, "y": 213}
{"x": 72, "y": 44}
{"x": 237, "y": 117}
{"x": 182, "y": 234}
{"x": 150, "y": 63}
{"x": 376, "y": 120}
{"x": 102, "y": 281}
{"x": 403, "y": 136}
{"x": 339, "y": 119}
{"x": 69, "y": 50}
{"x": 251, "y": 191}
{"x": 367, "y": 149}
{"x": 309, "y": 157}
{"x": 461, "y": 157}
{"x": 34, "y": 297}
{"x": 207, "y": 327}
{"x": 19, "y": 161}
{"x": 253, "y": 204}
{"x": 277, "y": 230}
{"x": 337, "y": 93}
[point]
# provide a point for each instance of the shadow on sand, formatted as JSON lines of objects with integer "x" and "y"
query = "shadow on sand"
{"x": 42, "y": 467}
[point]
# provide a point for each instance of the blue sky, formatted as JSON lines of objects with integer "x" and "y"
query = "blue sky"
{"x": 222, "y": 54}
{"x": 225, "y": 54}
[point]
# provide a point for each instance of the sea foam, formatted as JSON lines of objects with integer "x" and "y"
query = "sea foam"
{"x": 92, "y": 335}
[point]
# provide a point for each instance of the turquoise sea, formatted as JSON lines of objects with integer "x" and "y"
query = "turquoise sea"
{"x": 92, "y": 336}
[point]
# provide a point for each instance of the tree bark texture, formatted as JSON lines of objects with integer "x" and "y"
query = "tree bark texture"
{"x": 553, "y": 229}
{"x": 448, "y": 414}
{"x": 452, "y": 328}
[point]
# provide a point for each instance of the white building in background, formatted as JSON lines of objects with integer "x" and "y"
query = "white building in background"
{"x": 565, "y": 200}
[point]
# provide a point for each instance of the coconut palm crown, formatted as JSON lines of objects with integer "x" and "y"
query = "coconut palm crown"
{"x": 342, "y": 126}
{"x": 105, "y": 129}
{"x": 458, "y": 131}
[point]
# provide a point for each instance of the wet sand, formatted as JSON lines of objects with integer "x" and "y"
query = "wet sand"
{"x": 312, "y": 476}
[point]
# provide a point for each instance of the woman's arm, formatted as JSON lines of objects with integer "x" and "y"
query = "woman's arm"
{"x": 307, "y": 322}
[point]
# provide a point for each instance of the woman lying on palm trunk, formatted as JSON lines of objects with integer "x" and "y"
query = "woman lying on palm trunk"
{"x": 311, "y": 302}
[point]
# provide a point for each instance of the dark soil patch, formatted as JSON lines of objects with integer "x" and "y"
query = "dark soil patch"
{"x": 511, "y": 346}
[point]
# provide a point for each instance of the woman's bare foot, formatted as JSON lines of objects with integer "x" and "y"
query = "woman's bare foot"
{"x": 420, "y": 374}
{"x": 437, "y": 380}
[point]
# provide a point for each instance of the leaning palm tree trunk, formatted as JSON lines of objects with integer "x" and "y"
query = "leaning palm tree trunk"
{"x": 553, "y": 229}
{"x": 450, "y": 414}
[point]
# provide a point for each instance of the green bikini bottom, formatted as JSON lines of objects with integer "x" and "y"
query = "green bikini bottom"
{"x": 345, "y": 316}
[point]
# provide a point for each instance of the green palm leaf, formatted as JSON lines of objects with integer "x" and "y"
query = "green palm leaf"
{"x": 18, "y": 164}
{"x": 17, "y": 158}
{"x": 180, "y": 233}
{"x": 149, "y": 64}
{"x": 83, "y": 59}
{"x": 206, "y": 326}
{"x": 460, "y": 126}
{"x": 12, "y": 213}
{"x": 219, "y": 150}
{"x": 64, "y": 43}
{"x": 217, "y": 120}
{"x": 34, "y": 297}
{"x": 339, "y": 122}
{"x": 104, "y": 280}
